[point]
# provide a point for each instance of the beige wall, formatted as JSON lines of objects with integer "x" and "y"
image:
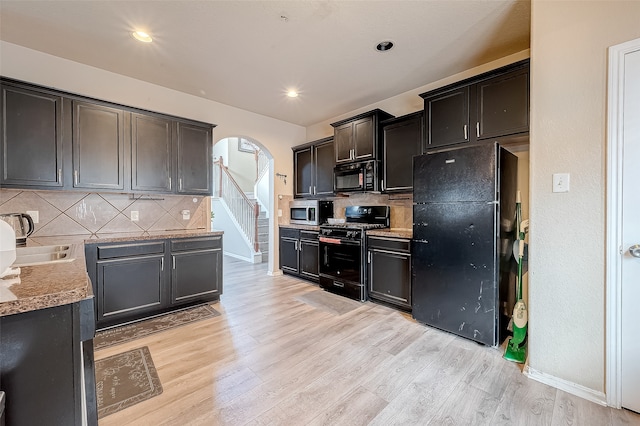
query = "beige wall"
{"x": 276, "y": 136}
{"x": 569, "y": 41}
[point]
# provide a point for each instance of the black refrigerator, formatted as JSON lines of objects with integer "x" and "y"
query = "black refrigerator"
{"x": 463, "y": 278}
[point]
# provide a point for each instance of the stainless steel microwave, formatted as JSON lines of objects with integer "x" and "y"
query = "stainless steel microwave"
{"x": 310, "y": 212}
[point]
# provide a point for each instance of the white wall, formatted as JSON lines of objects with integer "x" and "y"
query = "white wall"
{"x": 569, "y": 41}
{"x": 277, "y": 136}
{"x": 408, "y": 102}
{"x": 242, "y": 166}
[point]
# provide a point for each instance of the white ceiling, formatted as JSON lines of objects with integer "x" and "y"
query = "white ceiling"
{"x": 244, "y": 54}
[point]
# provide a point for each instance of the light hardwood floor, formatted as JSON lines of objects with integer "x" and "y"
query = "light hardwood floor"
{"x": 270, "y": 359}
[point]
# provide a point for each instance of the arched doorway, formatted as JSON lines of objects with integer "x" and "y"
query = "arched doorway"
{"x": 242, "y": 204}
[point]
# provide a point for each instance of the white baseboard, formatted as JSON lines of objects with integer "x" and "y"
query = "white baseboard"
{"x": 276, "y": 273}
{"x": 566, "y": 386}
{"x": 237, "y": 256}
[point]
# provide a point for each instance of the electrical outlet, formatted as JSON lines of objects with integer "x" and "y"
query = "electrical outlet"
{"x": 186, "y": 215}
{"x": 135, "y": 215}
{"x": 561, "y": 182}
{"x": 35, "y": 215}
{"x": 279, "y": 212}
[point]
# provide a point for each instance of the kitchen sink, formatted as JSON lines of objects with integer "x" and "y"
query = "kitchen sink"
{"x": 42, "y": 255}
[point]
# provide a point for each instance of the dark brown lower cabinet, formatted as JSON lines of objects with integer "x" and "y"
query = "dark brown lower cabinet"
{"x": 299, "y": 253}
{"x": 44, "y": 357}
{"x": 389, "y": 270}
{"x": 135, "y": 280}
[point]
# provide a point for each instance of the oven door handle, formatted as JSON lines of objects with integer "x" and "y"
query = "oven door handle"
{"x": 336, "y": 241}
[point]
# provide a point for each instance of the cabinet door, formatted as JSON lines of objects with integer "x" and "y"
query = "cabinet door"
{"x": 364, "y": 139}
{"x": 150, "y": 153}
{"x": 194, "y": 159}
{"x": 324, "y": 163}
{"x": 309, "y": 259}
{"x": 129, "y": 287}
{"x": 447, "y": 118}
{"x": 289, "y": 254}
{"x": 343, "y": 142}
{"x": 401, "y": 141}
{"x": 302, "y": 164}
{"x": 31, "y": 132}
{"x": 390, "y": 277}
{"x": 196, "y": 275}
{"x": 503, "y": 105}
{"x": 98, "y": 146}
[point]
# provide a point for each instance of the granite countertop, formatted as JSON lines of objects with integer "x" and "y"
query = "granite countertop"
{"x": 56, "y": 284}
{"x": 304, "y": 227}
{"x": 45, "y": 286}
{"x": 155, "y": 235}
{"x": 392, "y": 232}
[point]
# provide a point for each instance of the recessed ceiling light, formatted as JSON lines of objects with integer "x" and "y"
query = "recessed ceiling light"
{"x": 292, "y": 94}
{"x": 142, "y": 36}
{"x": 383, "y": 46}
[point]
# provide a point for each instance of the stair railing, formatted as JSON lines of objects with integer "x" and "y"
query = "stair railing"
{"x": 243, "y": 210}
{"x": 262, "y": 164}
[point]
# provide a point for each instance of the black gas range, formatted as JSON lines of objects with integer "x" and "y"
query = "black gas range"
{"x": 342, "y": 250}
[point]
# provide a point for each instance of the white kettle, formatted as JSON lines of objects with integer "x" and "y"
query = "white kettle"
{"x": 7, "y": 246}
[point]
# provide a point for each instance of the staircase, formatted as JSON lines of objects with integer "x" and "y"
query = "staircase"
{"x": 263, "y": 229}
{"x": 246, "y": 211}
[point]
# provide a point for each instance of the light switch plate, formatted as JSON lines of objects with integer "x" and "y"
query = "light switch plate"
{"x": 135, "y": 215}
{"x": 561, "y": 182}
{"x": 279, "y": 212}
{"x": 35, "y": 215}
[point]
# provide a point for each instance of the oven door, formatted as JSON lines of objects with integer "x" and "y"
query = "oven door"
{"x": 341, "y": 259}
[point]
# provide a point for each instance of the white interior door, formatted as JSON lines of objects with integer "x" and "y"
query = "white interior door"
{"x": 630, "y": 294}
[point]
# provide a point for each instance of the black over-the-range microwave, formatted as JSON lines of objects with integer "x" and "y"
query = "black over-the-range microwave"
{"x": 310, "y": 212}
{"x": 361, "y": 176}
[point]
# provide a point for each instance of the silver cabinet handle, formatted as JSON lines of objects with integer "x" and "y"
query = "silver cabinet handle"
{"x": 465, "y": 132}
{"x": 477, "y": 129}
{"x": 180, "y": 184}
{"x": 75, "y": 178}
{"x": 634, "y": 250}
{"x": 314, "y": 190}
{"x": 173, "y": 258}
{"x": 382, "y": 184}
{"x": 162, "y": 263}
{"x": 296, "y": 246}
{"x": 338, "y": 284}
{"x": 369, "y": 257}
{"x": 59, "y": 175}
{"x": 169, "y": 182}
{"x": 310, "y": 190}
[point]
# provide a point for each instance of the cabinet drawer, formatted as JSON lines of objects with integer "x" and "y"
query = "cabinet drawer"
{"x": 196, "y": 243}
{"x": 388, "y": 243}
{"x": 126, "y": 250}
{"x": 309, "y": 235}
{"x": 290, "y": 233}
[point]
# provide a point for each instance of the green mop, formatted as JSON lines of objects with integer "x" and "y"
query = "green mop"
{"x": 517, "y": 345}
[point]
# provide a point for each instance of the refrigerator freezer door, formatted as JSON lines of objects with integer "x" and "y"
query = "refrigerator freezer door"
{"x": 454, "y": 269}
{"x": 463, "y": 174}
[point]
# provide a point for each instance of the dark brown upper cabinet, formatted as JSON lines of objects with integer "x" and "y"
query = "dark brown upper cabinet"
{"x": 31, "y": 129}
{"x": 98, "y": 146}
{"x": 52, "y": 139}
{"x": 402, "y": 139}
{"x": 151, "y": 153}
{"x": 358, "y": 138}
{"x": 489, "y": 107}
{"x": 194, "y": 166}
{"x": 313, "y": 168}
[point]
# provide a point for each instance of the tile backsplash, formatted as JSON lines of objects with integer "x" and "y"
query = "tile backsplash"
{"x": 401, "y": 206}
{"x": 66, "y": 216}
